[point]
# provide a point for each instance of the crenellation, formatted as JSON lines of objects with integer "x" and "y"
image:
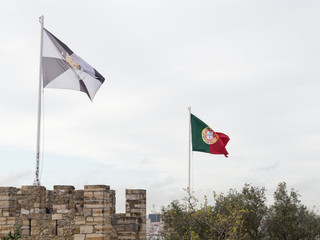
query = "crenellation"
{"x": 65, "y": 213}
{"x": 135, "y": 208}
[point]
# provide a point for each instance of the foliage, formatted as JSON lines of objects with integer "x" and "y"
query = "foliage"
{"x": 241, "y": 215}
{"x": 16, "y": 234}
{"x": 288, "y": 218}
{"x": 186, "y": 221}
{"x": 251, "y": 200}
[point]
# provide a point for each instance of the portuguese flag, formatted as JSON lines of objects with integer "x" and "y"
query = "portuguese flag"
{"x": 204, "y": 139}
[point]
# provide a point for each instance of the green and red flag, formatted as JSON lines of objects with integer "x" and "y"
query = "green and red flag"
{"x": 204, "y": 139}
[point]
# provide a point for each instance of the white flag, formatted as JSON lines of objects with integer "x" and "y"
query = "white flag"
{"x": 62, "y": 68}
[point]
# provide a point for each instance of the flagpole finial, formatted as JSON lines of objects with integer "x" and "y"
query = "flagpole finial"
{"x": 41, "y": 19}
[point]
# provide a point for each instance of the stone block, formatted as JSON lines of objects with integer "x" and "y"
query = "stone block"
{"x": 25, "y": 232}
{"x": 63, "y": 188}
{"x": 35, "y": 231}
{"x": 4, "y": 197}
{"x": 99, "y": 195}
{"x": 79, "y": 220}
{"x": 5, "y": 213}
{"x": 86, "y": 229}
{"x": 89, "y": 219}
{"x": 3, "y": 220}
{"x": 36, "y": 205}
{"x": 88, "y": 195}
{"x": 11, "y": 220}
{"x": 56, "y": 216}
{"x": 37, "y": 210}
{"x": 24, "y": 211}
{"x": 76, "y": 230}
{"x": 96, "y": 206}
{"x": 4, "y": 204}
{"x": 87, "y": 212}
{"x": 98, "y": 220}
{"x": 64, "y": 211}
{"x": 79, "y": 237}
{"x": 25, "y": 223}
{"x": 96, "y": 188}
{"x": 97, "y": 212}
{"x": 108, "y": 228}
{"x": 5, "y": 229}
{"x": 34, "y": 222}
{"x": 60, "y": 231}
{"x": 59, "y": 207}
{"x": 95, "y": 236}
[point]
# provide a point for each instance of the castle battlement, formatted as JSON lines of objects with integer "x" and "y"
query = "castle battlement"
{"x": 65, "y": 213}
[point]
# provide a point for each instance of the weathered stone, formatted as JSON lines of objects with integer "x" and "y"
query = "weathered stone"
{"x": 89, "y": 219}
{"x": 59, "y": 207}
{"x": 11, "y": 220}
{"x": 24, "y": 211}
{"x": 86, "y": 229}
{"x": 79, "y": 237}
{"x": 98, "y": 219}
{"x": 98, "y": 212}
{"x": 5, "y": 213}
{"x": 79, "y": 220}
{"x": 60, "y": 231}
{"x": 68, "y": 214}
{"x": 3, "y": 220}
{"x": 95, "y": 236}
{"x": 36, "y": 205}
{"x": 56, "y": 216}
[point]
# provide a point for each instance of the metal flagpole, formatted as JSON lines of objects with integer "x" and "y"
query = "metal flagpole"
{"x": 36, "y": 180}
{"x": 189, "y": 175}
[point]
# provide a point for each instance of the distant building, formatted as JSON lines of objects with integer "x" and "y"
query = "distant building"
{"x": 154, "y": 217}
{"x": 154, "y": 230}
{"x": 154, "y": 227}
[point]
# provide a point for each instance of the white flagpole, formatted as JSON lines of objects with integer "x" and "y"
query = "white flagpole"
{"x": 189, "y": 175}
{"x": 36, "y": 180}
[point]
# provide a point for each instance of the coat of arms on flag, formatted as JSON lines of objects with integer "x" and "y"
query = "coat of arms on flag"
{"x": 62, "y": 68}
{"x": 204, "y": 139}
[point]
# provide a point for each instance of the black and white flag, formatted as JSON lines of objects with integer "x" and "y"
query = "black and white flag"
{"x": 62, "y": 68}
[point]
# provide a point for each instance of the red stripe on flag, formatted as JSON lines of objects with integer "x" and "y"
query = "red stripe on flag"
{"x": 220, "y": 146}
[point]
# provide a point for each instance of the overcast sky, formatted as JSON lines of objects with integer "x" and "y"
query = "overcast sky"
{"x": 248, "y": 68}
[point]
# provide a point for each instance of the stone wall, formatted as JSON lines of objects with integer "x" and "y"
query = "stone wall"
{"x": 65, "y": 213}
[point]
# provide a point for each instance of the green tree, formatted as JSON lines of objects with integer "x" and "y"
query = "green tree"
{"x": 252, "y": 201}
{"x": 228, "y": 217}
{"x": 176, "y": 219}
{"x": 243, "y": 216}
{"x": 288, "y": 218}
{"x": 187, "y": 220}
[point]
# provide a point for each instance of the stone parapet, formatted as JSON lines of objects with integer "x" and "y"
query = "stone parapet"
{"x": 136, "y": 201}
{"x": 65, "y": 213}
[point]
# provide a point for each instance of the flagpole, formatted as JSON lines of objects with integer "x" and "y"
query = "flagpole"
{"x": 189, "y": 172}
{"x": 36, "y": 180}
